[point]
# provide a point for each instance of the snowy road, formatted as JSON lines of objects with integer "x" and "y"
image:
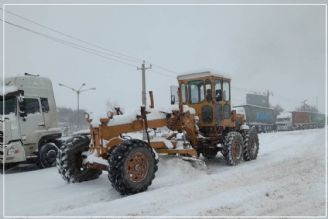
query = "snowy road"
{"x": 288, "y": 178}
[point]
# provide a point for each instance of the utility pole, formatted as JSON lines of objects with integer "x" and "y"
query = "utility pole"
{"x": 143, "y": 71}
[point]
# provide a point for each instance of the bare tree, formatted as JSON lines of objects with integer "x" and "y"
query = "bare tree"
{"x": 307, "y": 108}
{"x": 277, "y": 109}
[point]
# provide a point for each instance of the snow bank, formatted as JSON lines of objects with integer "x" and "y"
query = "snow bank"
{"x": 287, "y": 178}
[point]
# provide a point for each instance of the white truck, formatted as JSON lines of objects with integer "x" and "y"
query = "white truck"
{"x": 29, "y": 130}
{"x": 284, "y": 122}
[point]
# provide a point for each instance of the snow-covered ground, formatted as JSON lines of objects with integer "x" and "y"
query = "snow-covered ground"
{"x": 288, "y": 178}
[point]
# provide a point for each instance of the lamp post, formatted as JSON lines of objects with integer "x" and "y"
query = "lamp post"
{"x": 78, "y": 92}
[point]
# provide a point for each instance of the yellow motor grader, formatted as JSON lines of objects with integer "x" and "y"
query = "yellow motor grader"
{"x": 203, "y": 115}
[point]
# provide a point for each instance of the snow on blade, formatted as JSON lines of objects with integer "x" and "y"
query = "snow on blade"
{"x": 93, "y": 158}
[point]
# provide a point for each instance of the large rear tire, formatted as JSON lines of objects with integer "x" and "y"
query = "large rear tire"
{"x": 251, "y": 144}
{"x": 132, "y": 167}
{"x": 233, "y": 148}
{"x": 69, "y": 161}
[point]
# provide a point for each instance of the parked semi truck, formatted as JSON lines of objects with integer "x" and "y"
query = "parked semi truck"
{"x": 28, "y": 123}
{"x": 300, "y": 120}
{"x": 263, "y": 118}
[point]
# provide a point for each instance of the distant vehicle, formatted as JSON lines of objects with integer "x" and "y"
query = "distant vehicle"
{"x": 29, "y": 129}
{"x": 284, "y": 122}
{"x": 300, "y": 120}
{"x": 263, "y": 118}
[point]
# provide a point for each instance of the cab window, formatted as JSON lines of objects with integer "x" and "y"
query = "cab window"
{"x": 44, "y": 104}
{"x": 208, "y": 90}
{"x": 218, "y": 90}
{"x": 226, "y": 91}
{"x": 184, "y": 93}
{"x": 196, "y": 91}
{"x": 31, "y": 105}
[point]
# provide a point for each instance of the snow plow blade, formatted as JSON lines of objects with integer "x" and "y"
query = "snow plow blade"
{"x": 196, "y": 163}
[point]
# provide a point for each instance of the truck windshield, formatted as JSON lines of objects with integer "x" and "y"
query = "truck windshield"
{"x": 10, "y": 105}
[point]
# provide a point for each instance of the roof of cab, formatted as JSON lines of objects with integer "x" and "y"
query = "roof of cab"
{"x": 201, "y": 74}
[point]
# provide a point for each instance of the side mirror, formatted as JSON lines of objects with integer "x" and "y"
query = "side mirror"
{"x": 172, "y": 99}
{"x": 174, "y": 94}
{"x": 22, "y": 109}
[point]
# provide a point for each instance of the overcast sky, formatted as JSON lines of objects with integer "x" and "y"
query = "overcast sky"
{"x": 279, "y": 48}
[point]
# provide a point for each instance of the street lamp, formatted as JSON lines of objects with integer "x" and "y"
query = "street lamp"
{"x": 78, "y": 92}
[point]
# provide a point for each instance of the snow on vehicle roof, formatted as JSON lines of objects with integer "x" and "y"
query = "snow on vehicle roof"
{"x": 7, "y": 89}
{"x": 284, "y": 115}
{"x": 201, "y": 74}
{"x": 253, "y": 106}
{"x": 239, "y": 110}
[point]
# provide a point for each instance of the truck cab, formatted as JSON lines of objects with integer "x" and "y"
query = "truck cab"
{"x": 284, "y": 122}
{"x": 209, "y": 94}
{"x": 29, "y": 129}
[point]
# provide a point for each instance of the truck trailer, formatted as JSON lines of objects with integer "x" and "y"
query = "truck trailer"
{"x": 263, "y": 118}
{"x": 296, "y": 120}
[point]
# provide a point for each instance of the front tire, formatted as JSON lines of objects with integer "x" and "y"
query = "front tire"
{"x": 69, "y": 161}
{"x": 233, "y": 148}
{"x": 132, "y": 167}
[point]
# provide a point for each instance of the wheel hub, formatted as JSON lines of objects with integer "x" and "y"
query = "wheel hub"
{"x": 137, "y": 167}
{"x": 235, "y": 149}
{"x": 253, "y": 147}
{"x": 51, "y": 154}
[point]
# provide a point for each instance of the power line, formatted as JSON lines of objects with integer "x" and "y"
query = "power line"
{"x": 165, "y": 74}
{"x": 99, "y": 54}
{"x": 166, "y": 69}
{"x": 111, "y": 52}
{"x": 79, "y": 47}
{"x": 67, "y": 43}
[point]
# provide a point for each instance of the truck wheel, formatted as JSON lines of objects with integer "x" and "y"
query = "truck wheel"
{"x": 132, "y": 167}
{"x": 233, "y": 148}
{"x": 251, "y": 144}
{"x": 47, "y": 155}
{"x": 69, "y": 161}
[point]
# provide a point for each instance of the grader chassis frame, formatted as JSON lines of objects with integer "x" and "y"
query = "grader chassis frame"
{"x": 132, "y": 163}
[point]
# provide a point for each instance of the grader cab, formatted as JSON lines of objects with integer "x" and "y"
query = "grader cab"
{"x": 209, "y": 95}
{"x": 204, "y": 116}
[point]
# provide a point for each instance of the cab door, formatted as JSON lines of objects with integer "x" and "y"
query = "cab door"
{"x": 222, "y": 101}
{"x": 207, "y": 112}
{"x": 33, "y": 123}
{"x": 201, "y": 99}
